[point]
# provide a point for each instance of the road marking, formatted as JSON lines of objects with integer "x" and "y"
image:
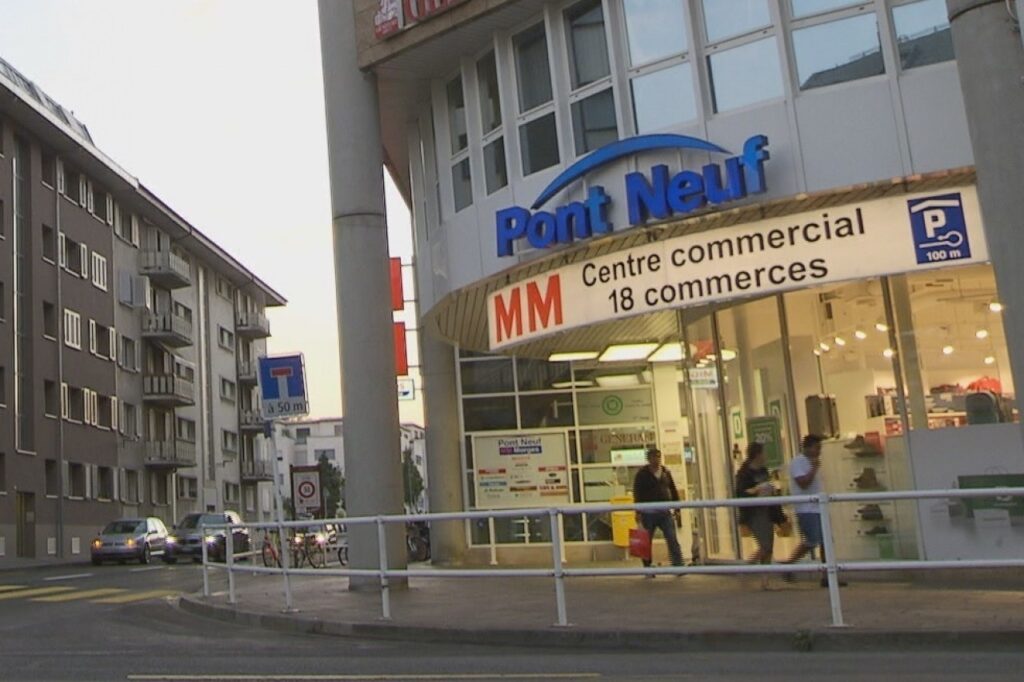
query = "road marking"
{"x": 137, "y": 596}
{"x": 8, "y": 588}
{"x": 146, "y": 568}
{"x": 67, "y": 577}
{"x": 379, "y": 678}
{"x": 84, "y": 594}
{"x": 35, "y": 592}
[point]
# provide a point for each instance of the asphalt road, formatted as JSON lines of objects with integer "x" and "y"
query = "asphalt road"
{"x": 122, "y": 623}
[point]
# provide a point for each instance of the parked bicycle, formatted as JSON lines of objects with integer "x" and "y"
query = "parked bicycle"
{"x": 271, "y": 551}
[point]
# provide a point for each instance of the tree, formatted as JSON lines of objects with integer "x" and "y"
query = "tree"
{"x": 413, "y": 481}
{"x": 333, "y": 486}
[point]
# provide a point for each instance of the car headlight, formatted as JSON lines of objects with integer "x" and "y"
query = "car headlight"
{"x": 171, "y": 540}
{"x": 97, "y": 543}
{"x": 210, "y": 539}
{"x": 130, "y": 542}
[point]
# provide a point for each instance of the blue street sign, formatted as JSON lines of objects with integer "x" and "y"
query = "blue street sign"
{"x": 282, "y": 382}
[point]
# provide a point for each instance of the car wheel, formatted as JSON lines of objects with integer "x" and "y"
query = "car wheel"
{"x": 146, "y": 555}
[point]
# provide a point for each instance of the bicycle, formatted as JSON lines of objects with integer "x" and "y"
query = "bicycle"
{"x": 272, "y": 555}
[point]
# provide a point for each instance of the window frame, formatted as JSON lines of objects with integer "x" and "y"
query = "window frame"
{"x": 575, "y": 94}
{"x": 834, "y": 16}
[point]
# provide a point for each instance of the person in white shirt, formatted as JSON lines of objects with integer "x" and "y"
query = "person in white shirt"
{"x": 805, "y": 479}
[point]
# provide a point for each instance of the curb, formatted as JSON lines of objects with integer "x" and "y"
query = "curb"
{"x": 827, "y": 640}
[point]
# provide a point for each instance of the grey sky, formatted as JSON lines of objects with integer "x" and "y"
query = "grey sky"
{"x": 217, "y": 106}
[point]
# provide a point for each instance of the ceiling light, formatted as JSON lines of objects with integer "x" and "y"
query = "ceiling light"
{"x": 860, "y": 334}
{"x": 824, "y": 347}
{"x": 881, "y": 326}
{"x": 995, "y": 306}
{"x": 728, "y": 354}
{"x": 669, "y": 352}
{"x": 583, "y": 383}
{"x": 627, "y": 351}
{"x": 981, "y": 333}
{"x": 888, "y": 353}
{"x": 817, "y": 352}
{"x": 947, "y": 350}
{"x": 989, "y": 360}
{"x": 572, "y": 355}
{"x": 840, "y": 341}
{"x": 618, "y": 381}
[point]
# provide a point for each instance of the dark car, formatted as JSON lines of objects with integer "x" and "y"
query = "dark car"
{"x": 134, "y": 538}
{"x": 187, "y": 538}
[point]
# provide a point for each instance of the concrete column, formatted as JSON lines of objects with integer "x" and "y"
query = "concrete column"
{"x": 990, "y": 59}
{"x": 368, "y": 392}
{"x": 444, "y": 461}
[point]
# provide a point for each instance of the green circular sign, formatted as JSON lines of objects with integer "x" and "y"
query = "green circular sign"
{"x": 612, "y": 405}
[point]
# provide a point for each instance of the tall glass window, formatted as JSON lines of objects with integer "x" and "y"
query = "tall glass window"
{"x": 593, "y": 106}
{"x": 744, "y": 75}
{"x": 728, "y": 18}
{"x": 538, "y": 141}
{"x": 805, "y": 8}
{"x": 655, "y": 29}
{"x": 538, "y": 133}
{"x": 838, "y": 51}
{"x": 661, "y": 82}
{"x": 922, "y": 33}
{"x": 662, "y": 99}
{"x": 462, "y": 185}
{"x": 462, "y": 181}
{"x": 495, "y": 170}
{"x": 593, "y": 121}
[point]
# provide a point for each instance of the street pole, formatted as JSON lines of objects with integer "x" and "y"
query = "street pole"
{"x": 990, "y": 60}
{"x": 271, "y": 431}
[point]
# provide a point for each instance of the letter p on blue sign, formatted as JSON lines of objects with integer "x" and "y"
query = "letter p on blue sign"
{"x": 939, "y": 228}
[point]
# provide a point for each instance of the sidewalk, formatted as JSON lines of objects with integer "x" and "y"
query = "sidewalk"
{"x": 690, "y": 612}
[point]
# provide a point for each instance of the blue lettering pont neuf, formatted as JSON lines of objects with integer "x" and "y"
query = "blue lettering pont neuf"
{"x": 656, "y": 196}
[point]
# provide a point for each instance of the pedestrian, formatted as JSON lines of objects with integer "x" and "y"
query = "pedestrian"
{"x": 753, "y": 480}
{"x": 805, "y": 479}
{"x": 653, "y": 483}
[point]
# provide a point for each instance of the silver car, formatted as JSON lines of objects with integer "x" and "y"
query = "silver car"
{"x": 124, "y": 539}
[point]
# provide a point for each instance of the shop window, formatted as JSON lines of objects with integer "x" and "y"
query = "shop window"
{"x": 462, "y": 185}
{"x": 623, "y": 446}
{"x": 804, "y": 8}
{"x": 663, "y": 99}
{"x": 728, "y": 18}
{"x": 745, "y": 75}
{"x": 542, "y": 410}
{"x": 541, "y": 375}
{"x": 655, "y": 29}
{"x": 923, "y": 35}
{"x": 538, "y": 141}
{"x": 593, "y": 122}
{"x": 490, "y": 99}
{"x": 838, "y": 51}
{"x": 489, "y": 414}
{"x": 495, "y": 167}
{"x": 956, "y": 335}
{"x": 532, "y": 69}
{"x": 487, "y": 376}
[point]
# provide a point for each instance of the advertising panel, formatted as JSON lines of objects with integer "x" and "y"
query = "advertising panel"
{"x": 521, "y": 471}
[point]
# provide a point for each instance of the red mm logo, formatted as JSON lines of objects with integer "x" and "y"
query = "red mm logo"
{"x": 540, "y": 308}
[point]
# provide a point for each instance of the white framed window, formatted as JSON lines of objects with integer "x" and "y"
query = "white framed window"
{"x": 228, "y": 390}
{"x": 538, "y": 132}
{"x": 226, "y": 339}
{"x": 458, "y": 133}
{"x": 592, "y": 102}
{"x": 99, "y": 271}
{"x": 83, "y": 260}
{"x": 489, "y": 94}
{"x": 72, "y": 329}
{"x": 923, "y": 35}
{"x": 229, "y": 441}
{"x": 743, "y": 61}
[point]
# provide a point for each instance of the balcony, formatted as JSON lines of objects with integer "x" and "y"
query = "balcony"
{"x": 250, "y": 420}
{"x": 252, "y": 325}
{"x": 170, "y": 329}
{"x": 168, "y": 390}
{"x": 248, "y": 371}
{"x": 254, "y": 471}
{"x": 170, "y": 454}
{"x": 165, "y": 269}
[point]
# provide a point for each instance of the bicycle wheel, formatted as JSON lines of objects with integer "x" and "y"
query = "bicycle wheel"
{"x": 315, "y": 554}
{"x": 269, "y": 555}
{"x": 343, "y": 555}
{"x": 298, "y": 556}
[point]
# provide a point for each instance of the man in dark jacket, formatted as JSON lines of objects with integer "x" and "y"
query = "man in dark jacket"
{"x": 654, "y": 483}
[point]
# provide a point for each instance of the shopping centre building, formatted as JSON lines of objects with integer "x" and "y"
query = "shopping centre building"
{"x": 695, "y": 224}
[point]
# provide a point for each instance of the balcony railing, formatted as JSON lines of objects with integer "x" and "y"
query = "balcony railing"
{"x": 252, "y": 325}
{"x": 250, "y": 420}
{"x": 165, "y": 269}
{"x": 247, "y": 371}
{"x": 170, "y": 454}
{"x": 256, "y": 470}
{"x": 173, "y": 330}
{"x": 168, "y": 390}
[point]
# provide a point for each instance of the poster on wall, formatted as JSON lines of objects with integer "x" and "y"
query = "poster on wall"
{"x": 767, "y": 432}
{"x": 521, "y": 471}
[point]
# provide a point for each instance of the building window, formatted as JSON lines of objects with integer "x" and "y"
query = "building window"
{"x": 3, "y": 303}
{"x": 51, "y": 399}
{"x": 301, "y": 434}
{"x": 106, "y": 412}
{"x": 3, "y": 387}
{"x": 74, "y": 186}
{"x": 185, "y": 429}
{"x": 495, "y": 169}
{"x": 74, "y": 257}
{"x": 99, "y": 271}
{"x": 226, "y": 339}
{"x": 593, "y": 121}
{"x": 49, "y": 168}
{"x": 490, "y": 98}
{"x": 52, "y": 478}
{"x": 655, "y": 29}
{"x": 129, "y": 422}
{"x": 923, "y": 35}
{"x": 744, "y": 75}
{"x": 102, "y": 340}
{"x": 72, "y": 329}
{"x": 229, "y": 441}
{"x": 188, "y": 488}
{"x": 804, "y": 8}
{"x": 3, "y": 215}
{"x": 49, "y": 244}
{"x": 462, "y": 184}
{"x": 228, "y": 391}
{"x": 224, "y": 289}
{"x": 129, "y": 359}
{"x": 593, "y": 114}
{"x": 130, "y": 488}
{"x": 3, "y": 456}
{"x": 105, "y": 479}
{"x": 73, "y": 404}
{"x": 457, "y": 115}
{"x": 729, "y": 18}
{"x": 838, "y": 51}
{"x": 538, "y": 140}
{"x": 538, "y": 135}
{"x": 77, "y": 480}
{"x": 159, "y": 487}
{"x": 324, "y": 453}
{"x": 663, "y": 99}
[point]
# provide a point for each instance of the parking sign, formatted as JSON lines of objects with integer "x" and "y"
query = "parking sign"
{"x": 940, "y": 229}
{"x": 282, "y": 382}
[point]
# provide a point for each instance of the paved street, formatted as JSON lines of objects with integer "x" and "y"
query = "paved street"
{"x": 122, "y": 623}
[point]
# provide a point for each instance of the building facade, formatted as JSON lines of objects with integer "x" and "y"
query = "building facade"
{"x": 128, "y": 343}
{"x": 697, "y": 224}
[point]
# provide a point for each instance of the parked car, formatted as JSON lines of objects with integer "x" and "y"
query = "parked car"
{"x": 135, "y": 538}
{"x": 187, "y": 538}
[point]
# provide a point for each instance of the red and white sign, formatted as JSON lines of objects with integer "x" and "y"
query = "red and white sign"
{"x": 388, "y": 19}
{"x": 306, "y": 489}
{"x": 394, "y": 16}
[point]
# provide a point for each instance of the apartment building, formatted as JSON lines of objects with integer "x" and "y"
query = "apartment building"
{"x": 128, "y": 344}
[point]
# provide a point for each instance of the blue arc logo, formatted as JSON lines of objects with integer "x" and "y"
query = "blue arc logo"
{"x": 617, "y": 150}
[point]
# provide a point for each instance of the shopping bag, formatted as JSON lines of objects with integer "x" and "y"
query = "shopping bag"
{"x": 640, "y": 543}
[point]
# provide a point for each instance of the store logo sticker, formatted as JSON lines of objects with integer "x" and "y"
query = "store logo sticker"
{"x": 612, "y": 405}
{"x": 939, "y": 228}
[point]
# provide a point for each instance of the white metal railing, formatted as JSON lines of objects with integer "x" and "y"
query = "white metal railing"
{"x": 831, "y": 566}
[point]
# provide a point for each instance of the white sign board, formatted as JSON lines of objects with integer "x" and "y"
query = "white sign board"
{"x": 867, "y": 239}
{"x": 703, "y": 377}
{"x": 521, "y": 471}
{"x": 306, "y": 491}
{"x": 406, "y": 389}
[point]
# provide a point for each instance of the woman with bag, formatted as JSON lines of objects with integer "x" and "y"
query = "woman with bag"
{"x": 753, "y": 480}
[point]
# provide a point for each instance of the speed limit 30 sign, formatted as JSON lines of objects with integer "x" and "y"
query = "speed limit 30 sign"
{"x": 306, "y": 489}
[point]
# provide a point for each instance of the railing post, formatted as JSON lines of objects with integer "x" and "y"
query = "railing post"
{"x": 831, "y": 570}
{"x": 382, "y": 551}
{"x": 285, "y": 565}
{"x": 206, "y": 561}
{"x": 490, "y": 538}
{"x": 556, "y": 563}
{"x": 229, "y": 562}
